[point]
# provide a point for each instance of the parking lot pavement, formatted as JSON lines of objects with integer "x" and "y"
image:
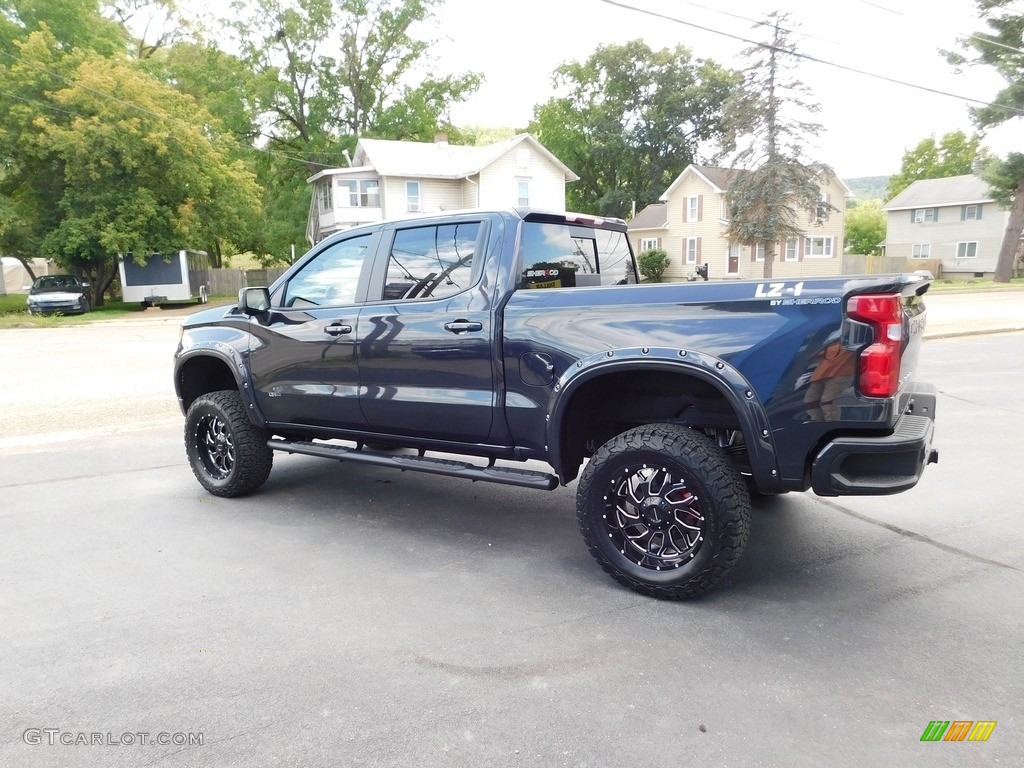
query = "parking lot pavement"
{"x": 351, "y": 615}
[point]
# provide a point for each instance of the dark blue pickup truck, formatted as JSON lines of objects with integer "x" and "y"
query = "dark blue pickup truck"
{"x": 515, "y": 336}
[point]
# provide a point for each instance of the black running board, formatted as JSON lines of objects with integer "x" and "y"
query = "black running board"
{"x": 524, "y": 478}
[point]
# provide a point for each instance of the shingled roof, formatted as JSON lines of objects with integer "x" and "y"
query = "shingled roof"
{"x": 437, "y": 160}
{"x": 932, "y": 193}
{"x": 654, "y": 216}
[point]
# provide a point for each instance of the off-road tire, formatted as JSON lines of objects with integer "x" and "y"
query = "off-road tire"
{"x": 228, "y": 454}
{"x": 663, "y": 510}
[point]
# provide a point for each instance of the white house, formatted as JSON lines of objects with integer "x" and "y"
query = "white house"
{"x": 389, "y": 179}
{"x": 952, "y": 221}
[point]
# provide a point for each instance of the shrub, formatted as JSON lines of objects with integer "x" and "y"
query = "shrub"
{"x": 653, "y": 264}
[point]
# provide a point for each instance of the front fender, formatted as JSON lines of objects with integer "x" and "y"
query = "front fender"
{"x": 203, "y": 356}
{"x": 726, "y": 379}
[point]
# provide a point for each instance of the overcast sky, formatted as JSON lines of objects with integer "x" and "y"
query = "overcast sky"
{"x": 868, "y": 123}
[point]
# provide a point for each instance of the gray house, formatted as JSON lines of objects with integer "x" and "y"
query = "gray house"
{"x": 953, "y": 222}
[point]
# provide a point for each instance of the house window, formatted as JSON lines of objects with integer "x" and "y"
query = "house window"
{"x": 967, "y": 249}
{"x": 362, "y": 193}
{"x": 925, "y": 214}
{"x": 818, "y": 247}
{"x": 523, "y": 192}
{"x": 921, "y": 251}
{"x": 693, "y": 208}
{"x": 759, "y": 252}
{"x": 692, "y": 249}
{"x": 792, "y": 249}
{"x": 412, "y": 195}
{"x": 326, "y": 196}
{"x": 972, "y": 212}
{"x": 648, "y": 244}
{"x": 821, "y": 212}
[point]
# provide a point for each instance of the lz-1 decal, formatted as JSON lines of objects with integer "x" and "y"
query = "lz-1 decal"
{"x": 783, "y": 295}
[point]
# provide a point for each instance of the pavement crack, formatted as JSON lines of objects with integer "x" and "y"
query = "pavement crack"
{"x": 979, "y": 405}
{"x": 919, "y": 537}
{"x": 55, "y": 480}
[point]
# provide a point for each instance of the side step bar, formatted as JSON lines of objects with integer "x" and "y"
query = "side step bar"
{"x": 505, "y": 475}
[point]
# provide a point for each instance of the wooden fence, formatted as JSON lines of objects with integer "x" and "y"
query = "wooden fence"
{"x": 228, "y": 281}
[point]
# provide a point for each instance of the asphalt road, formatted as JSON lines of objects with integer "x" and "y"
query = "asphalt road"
{"x": 356, "y": 616}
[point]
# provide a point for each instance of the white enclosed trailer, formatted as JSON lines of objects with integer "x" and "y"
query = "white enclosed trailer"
{"x": 183, "y": 277}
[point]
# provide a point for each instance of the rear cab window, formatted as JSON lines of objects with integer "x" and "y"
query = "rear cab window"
{"x": 573, "y": 255}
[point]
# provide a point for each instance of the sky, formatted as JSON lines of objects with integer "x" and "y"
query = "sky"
{"x": 868, "y": 123}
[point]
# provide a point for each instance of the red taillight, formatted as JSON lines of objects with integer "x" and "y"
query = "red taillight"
{"x": 879, "y": 363}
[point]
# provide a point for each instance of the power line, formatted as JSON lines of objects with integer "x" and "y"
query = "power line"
{"x": 961, "y": 35}
{"x": 814, "y": 59}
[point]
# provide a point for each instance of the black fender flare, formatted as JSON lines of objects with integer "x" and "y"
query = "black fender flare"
{"x": 229, "y": 346}
{"x": 726, "y": 379}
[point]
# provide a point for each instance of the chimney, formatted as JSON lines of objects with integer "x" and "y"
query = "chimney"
{"x": 977, "y": 166}
{"x": 440, "y": 138}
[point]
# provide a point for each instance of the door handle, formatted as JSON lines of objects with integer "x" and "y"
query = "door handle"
{"x": 337, "y": 329}
{"x": 463, "y": 326}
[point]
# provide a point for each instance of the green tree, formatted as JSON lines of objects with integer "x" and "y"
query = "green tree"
{"x": 1006, "y": 180}
{"x": 324, "y": 73}
{"x": 1000, "y": 47}
{"x": 865, "y": 228}
{"x": 74, "y": 25}
{"x": 312, "y": 94}
{"x": 653, "y": 264}
{"x": 954, "y": 155}
{"x": 29, "y": 180}
{"x": 777, "y": 190}
{"x": 132, "y": 166}
{"x": 630, "y": 120}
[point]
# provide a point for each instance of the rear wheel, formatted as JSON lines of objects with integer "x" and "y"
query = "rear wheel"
{"x": 228, "y": 454}
{"x": 663, "y": 510}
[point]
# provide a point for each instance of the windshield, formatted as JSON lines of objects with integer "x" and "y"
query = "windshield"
{"x": 55, "y": 283}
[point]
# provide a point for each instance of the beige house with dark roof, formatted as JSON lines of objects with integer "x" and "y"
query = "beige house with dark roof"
{"x": 390, "y": 179}
{"x": 690, "y": 219}
{"x": 954, "y": 222}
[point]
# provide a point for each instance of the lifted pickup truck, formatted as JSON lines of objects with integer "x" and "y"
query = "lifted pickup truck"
{"x": 520, "y": 335}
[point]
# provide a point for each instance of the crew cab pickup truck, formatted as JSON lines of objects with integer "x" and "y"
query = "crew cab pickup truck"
{"x": 471, "y": 343}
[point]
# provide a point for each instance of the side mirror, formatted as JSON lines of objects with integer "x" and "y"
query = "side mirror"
{"x": 253, "y": 301}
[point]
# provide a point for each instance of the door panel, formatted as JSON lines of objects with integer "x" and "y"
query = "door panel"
{"x": 425, "y": 350}
{"x": 305, "y": 371}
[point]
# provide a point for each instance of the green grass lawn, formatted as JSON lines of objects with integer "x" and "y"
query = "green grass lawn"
{"x": 14, "y": 313}
{"x": 942, "y": 284}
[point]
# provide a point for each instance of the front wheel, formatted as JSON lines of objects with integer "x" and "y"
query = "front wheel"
{"x": 663, "y": 511}
{"x": 228, "y": 454}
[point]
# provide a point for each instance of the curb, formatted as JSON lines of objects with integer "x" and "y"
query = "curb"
{"x": 972, "y": 332}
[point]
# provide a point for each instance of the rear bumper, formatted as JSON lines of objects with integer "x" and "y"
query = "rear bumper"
{"x": 869, "y": 466}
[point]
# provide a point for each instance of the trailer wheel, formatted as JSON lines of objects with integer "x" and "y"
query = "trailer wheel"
{"x": 204, "y": 296}
{"x": 228, "y": 454}
{"x": 663, "y": 510}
